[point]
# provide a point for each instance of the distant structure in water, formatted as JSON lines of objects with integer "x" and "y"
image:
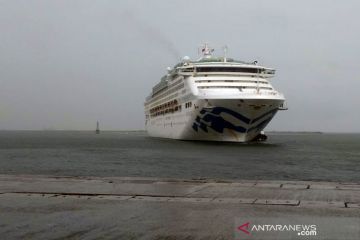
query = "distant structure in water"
{"x": 97, "y": 131}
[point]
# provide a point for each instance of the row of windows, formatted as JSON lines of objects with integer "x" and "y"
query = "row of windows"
{"x": 165, "y": 108}
{"x": 240, "y": 88}
{"x": 169, "y": 91}
{"x": 235, "y": 81}
{"x": 159, "y": 89}
{"x": 163, "y": 100}
{"x": 188, "y": 105}
{"x": 166, "y": 111}
{"x": 229, "y": 69}
{"x": 233, "y": 69}
{"x": 169, "y": 107}
{"x": 187, "y": 70}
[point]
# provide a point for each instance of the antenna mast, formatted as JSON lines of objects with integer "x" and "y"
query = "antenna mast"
{"x": 225, "y": 48}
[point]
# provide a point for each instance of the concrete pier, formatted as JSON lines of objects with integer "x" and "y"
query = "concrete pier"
{"x": 47, "y": 207}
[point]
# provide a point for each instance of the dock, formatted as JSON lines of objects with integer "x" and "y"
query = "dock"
{"x": 51, "y": 207}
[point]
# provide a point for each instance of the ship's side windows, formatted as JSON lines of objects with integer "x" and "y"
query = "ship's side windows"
{"x": 229, "y": 69}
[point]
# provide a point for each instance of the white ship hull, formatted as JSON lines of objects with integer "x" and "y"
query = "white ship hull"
{"x": 233, "y": 120}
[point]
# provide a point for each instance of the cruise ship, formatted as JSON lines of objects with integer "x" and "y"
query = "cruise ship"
{"x": 213, "y": 99}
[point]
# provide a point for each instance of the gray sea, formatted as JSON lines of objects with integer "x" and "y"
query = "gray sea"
{"x": 311, "y": 156}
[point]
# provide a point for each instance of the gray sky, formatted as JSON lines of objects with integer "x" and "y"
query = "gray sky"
{"x": 65, "y": 64}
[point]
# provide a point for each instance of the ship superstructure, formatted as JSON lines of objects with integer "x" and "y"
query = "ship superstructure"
{"x": 212, "y": 98}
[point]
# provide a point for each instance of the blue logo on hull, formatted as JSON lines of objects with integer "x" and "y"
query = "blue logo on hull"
{"x": 211, "y": 118}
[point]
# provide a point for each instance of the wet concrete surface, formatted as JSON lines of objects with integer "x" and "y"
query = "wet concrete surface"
{"x": 47, "y": 207}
